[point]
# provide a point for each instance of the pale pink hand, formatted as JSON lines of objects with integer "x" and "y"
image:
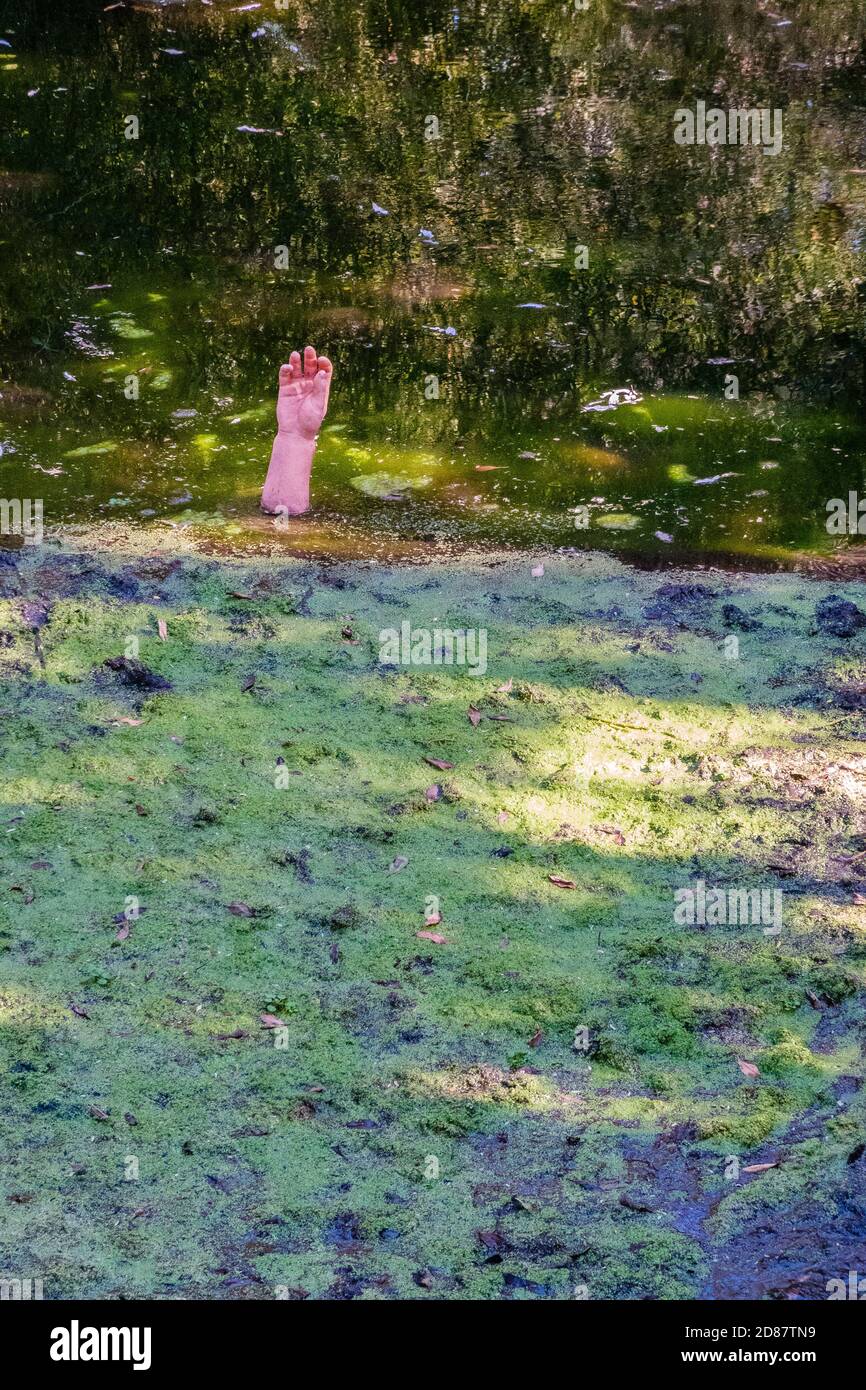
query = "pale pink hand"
{"x": 302, "y": 402}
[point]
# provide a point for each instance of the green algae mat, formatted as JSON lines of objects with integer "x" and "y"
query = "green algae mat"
{"x": 328, "y": 974}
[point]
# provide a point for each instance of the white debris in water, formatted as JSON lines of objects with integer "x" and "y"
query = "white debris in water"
{"x": 610, "y": 400}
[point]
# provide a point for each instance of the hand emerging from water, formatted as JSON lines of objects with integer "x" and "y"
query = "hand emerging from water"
{"x": 302, "y": 403}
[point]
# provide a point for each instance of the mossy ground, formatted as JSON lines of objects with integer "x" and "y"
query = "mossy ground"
{"x": 423, "y": 1125}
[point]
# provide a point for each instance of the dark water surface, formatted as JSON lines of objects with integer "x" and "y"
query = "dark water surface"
{"x": 145, "y": 303}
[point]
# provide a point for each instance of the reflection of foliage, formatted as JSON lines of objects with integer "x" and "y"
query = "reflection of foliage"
{"x": 555, "y": 131}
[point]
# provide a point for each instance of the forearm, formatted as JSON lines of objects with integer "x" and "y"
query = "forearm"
{"x": 287, "y": 485}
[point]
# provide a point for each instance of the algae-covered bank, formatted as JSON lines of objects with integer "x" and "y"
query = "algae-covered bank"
{"x": 328, "y": 975}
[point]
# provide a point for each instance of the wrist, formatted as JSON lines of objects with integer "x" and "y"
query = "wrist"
{"x": 294, "y": 437}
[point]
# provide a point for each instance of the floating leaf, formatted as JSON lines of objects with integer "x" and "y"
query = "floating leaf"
{"x": 388, "y": 485}
{"x": 618, "y": 521}
{"x": 125, "y": 328}
{"x": 107, "y": 446}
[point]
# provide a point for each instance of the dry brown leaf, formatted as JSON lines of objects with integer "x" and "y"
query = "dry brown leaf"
{"x": 162, "y": 628}
{"x": 759, "y": 1167}
{"x": 123, "y": 933}
{"x": 506, "y": 688}
{"x": 561, "y": 882}
{"x": 433, "y": 936}
{"x": 747, "y": 1068}
{"x": 439, "y": 763}
{"x": 241, "y": 910}
{"x": 537, "y": 571}
{"x": 474, "y": 716}
{"x": 492, "y": 1240}
{"x": 398, "y": 863}
{"x": 433, "y": 920}
{"x": 536, "y": 1038}
{"x": 433, "y": 793}
{"x": 271, "y": 1021}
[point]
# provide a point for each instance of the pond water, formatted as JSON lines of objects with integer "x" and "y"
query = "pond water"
{"x": 481, "y": 214}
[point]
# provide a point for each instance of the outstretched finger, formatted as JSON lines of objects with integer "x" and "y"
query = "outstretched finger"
{"x": 323, "y": 378}
{"x": 310, "y": 361}
{"x": 295, "y": 365}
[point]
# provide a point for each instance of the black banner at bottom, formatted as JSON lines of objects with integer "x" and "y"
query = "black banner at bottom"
{"x": 81, "y": 1339}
